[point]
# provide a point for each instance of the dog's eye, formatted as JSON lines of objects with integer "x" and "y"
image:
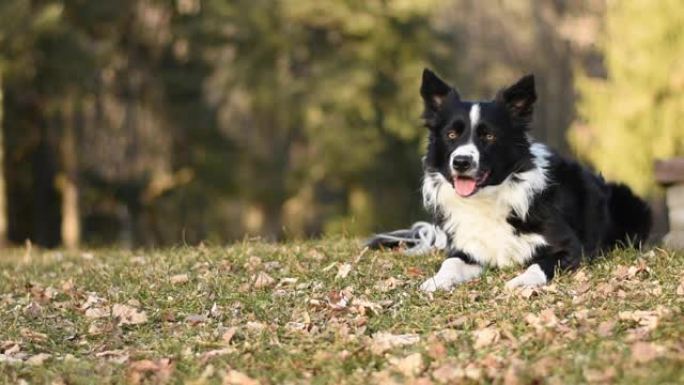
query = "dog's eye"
{"x": 452, "y": 135}
{"x": 489, "y": 137}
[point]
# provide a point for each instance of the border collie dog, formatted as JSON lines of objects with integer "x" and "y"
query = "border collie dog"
{"x": 499, "y": 198}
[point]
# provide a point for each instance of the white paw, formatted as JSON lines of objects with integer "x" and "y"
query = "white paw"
{"x": 452, "y": 272}
{"x": 437, "y": 282}
{"x": 532, "y": 277}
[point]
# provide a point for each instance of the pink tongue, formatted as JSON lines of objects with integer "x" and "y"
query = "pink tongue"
{"x": 464, "y": 186}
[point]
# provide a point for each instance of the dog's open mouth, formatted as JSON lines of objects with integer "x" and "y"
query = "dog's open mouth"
{"x": 466, "y": 186}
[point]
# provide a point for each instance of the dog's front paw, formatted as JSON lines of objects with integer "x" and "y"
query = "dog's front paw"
{"x": 436, "y": 282}
{"x": 532, "y": 277}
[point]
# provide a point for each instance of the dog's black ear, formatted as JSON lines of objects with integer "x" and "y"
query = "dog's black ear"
{"x": 433, "y": 90}
{"x": 519, "y": 99}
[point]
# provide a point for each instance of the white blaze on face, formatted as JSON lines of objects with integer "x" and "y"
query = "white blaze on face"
{"x": 474, "y": 115}
{"x": 469, "y": 148}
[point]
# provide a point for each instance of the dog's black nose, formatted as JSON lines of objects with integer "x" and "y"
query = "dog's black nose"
{"x": 463, "y": 163}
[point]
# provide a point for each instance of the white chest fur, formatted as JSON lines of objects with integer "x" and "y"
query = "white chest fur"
{"x": 478, "y": 226}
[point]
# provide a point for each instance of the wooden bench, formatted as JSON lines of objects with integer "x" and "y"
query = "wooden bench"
{"x": 670, "y": 174}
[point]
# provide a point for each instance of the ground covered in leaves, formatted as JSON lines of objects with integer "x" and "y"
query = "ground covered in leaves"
{"x": 328, "y": 312}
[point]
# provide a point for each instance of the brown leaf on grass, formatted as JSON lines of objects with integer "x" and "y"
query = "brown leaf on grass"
{"x": 94, "y": 329}
{"x": 447, "y": 335}
{"x": 10, "y": 348}
{"x": 414, "y": 272}
{"x": 206, "y": 356}
{"x": 228, "y": 335}
{"x": 339, "y": 300}
{"x": 409, "y": 366}
{"x": 597, "y": 376}
{"x": 159, "y": 370}
{"x": 485, "y": 337}
{"x": 436, "y": 350}
{"x": 420, "y": 381}
{"x": 38, "y": 359}
{"x": 179, "y": 279}
{"x": 384, "y": 377}
{"x": 643, "y": 352}
{"x": 389, "y": 284}
{"x": 33, "y": 335}
{"x": 622, "y": 272}
{"x": 262, "y": 280}
{"x": 680, "y": 288}
{"x": 196, "y": 319}
{"x": 383, "y": 341}
{"x": 361, "y": 304}
{"x": 647, "y": 319}
{"x": 605, "y": 328}
{"x": 233, "y": 377}
{"x": 580, "y": 276}
{"x": 255, "y": 326}
{"x": 511, "y": 376}
{"x": 97, "y": 312}
{"x": 343, "y": 270}
{"x": 546, "y": 319}
{"x": 544, "y": 366}
{"x": 253, "y": 263}
{"x": 33, "y": 310}
{"x": 118, "y": 356}
{"x": 448, "y": 373}
{"x": 128, "y": 315}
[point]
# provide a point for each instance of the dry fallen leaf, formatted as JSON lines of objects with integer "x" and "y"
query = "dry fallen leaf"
{"x": 233, "y": 377}
{"x": 605, "y": 328}
{"x": 206, "y": 356}
{"x": 196, "y": 319}
{"x": 118, "y": 356}
{"x": 437, "y": 351}
{"x": 161, "y": 370}
{"x": 381, "y": 342}
{"x": 338, "y": 300}
{"x": 262, "y": 280}
{"x": 389, "y": 284}
{"x": 448, "y": 373}
{"x": 645, "y": 318}
{"x": 643, "y": 352}
{"x": 255, "y": 326}
{"x": 179, "y": 279}
{"x": 97, "y": 312}
{"x": 128, "y": 315}
{"x": 229, "y": 334}
{"x": 409, "y": 366}
{"x": 38, "y": 359}
{"x": 485, "y": 337}
{"x": 546, "y": 319}
{"x": 343, "y": 270}
{"x": 600, "y": 376}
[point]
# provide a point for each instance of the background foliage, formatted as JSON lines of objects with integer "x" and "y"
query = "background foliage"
{"x": 151, "y": 122}
{"x": 636, "y": 113}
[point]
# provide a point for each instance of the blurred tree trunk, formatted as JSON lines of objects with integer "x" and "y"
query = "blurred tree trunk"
{"x": 68, "y": 178}
{"x": 3, "y": 196}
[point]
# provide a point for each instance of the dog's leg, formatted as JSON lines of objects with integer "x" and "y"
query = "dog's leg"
{"x": 532, "y": 277}
{"x": 454, "y": 270}
{"x": 564, "y": 253}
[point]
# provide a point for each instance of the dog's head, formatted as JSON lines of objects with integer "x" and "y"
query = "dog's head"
{"x": 477, "y": 144}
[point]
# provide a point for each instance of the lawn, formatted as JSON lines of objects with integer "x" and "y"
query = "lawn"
{"x": 328, "y": 312}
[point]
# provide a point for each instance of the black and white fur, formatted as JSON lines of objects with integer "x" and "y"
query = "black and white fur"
{"x": 503, "y": 199}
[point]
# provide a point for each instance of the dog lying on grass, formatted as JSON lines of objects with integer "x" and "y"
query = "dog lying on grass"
{"x": 499, "y": 198}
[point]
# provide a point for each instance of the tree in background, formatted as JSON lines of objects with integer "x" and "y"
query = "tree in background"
{"x": 151, "y": 122}
{"x": 636, "y": 113}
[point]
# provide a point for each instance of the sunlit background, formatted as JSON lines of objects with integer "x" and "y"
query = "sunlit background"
{"x": 150, "y": 123}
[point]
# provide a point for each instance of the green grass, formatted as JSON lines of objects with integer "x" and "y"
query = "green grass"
{"x": 605, "y": 324}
